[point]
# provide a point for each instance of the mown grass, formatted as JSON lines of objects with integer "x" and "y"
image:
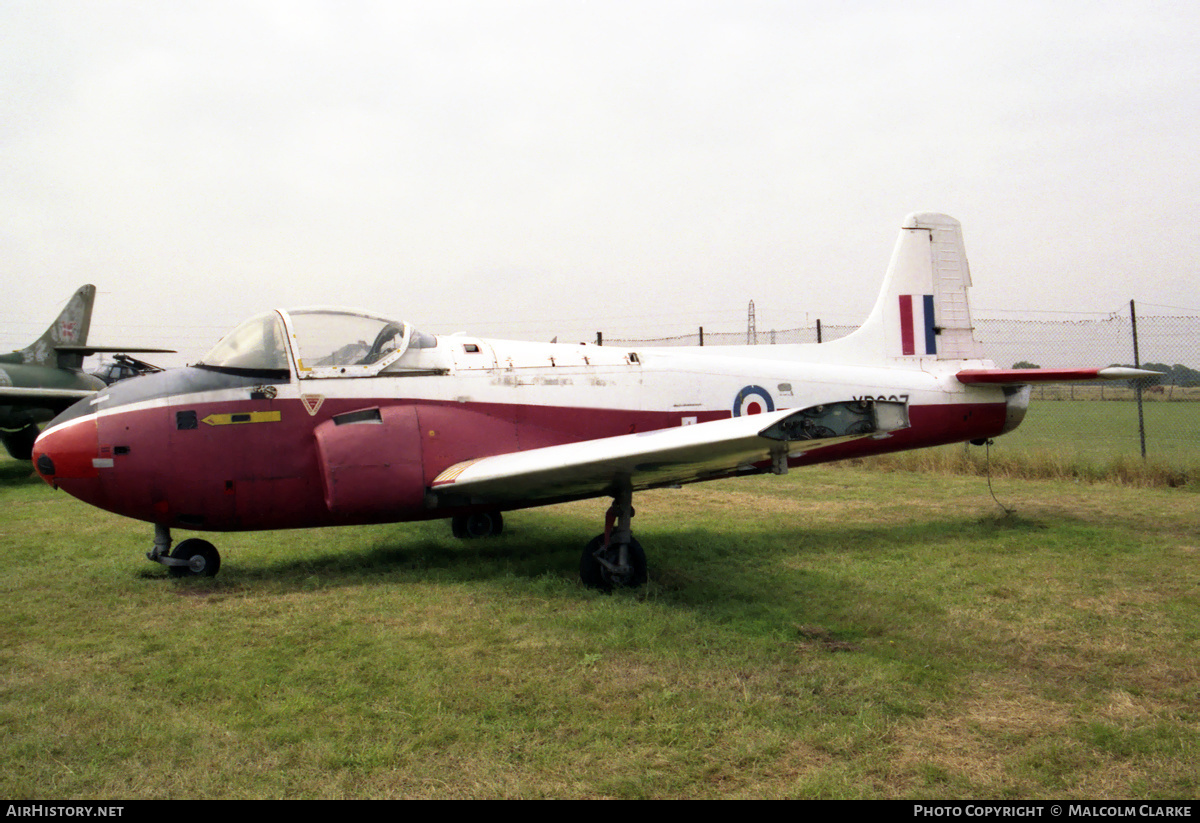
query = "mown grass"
{"x": 1096, "y": 433}
{"x": 838, "y": 632}
{"x": 1083, "y": 441}
{"x": 999, "y": 459}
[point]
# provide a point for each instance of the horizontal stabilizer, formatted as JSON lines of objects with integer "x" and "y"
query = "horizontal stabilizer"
{"x": 84, "y": 351}
{"x": 1021, "y": 377}
{"x": 665, "y": 456}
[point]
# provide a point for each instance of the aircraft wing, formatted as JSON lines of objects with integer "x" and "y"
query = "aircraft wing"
{"x": 1021, "y": 377}
{"x": 666, "y": 456}
{"x": 85, "y": 350}
{"x": 58, "y": 399}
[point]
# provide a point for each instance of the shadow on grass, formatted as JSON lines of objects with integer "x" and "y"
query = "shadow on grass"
{"x": 18, "y": 473}
{"x": 427, "y": 558}
{"x": 735, "y": 573}
{"x": 411, "y": 557}
{"x": 851, "y": 575}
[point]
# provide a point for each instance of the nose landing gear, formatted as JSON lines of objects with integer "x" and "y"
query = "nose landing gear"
{"x": 191, "y": 558}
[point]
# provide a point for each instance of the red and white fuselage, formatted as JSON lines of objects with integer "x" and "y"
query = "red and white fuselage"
{"x": 325, "y": 417}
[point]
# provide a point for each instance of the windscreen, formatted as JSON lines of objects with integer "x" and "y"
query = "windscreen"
{"x": 257, "y": 344}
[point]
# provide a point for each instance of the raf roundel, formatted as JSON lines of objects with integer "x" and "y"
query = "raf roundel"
{"x": 752, "y": 400}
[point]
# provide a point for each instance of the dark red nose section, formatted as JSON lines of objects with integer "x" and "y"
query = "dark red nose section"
{"x": 68, "y": 452}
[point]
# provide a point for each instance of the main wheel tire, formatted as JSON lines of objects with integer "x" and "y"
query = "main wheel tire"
{"x": 595, "y": 575}
{"x": 202, "y": 558}
{"x": 479, "y": 524}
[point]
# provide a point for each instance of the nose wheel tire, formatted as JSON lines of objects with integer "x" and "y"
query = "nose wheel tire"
{"x": 201, "y": 558}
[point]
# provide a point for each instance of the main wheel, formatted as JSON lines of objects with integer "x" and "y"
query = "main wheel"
{"x": 201, "y": 556}
{"x": 596, "y": 575}
{"x": 479, "y": 524}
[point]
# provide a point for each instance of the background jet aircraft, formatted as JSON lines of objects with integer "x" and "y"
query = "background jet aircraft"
{"x": 296, "y": 420}
{"x": 47, "y": 377}
{"x": 123, "y": 367}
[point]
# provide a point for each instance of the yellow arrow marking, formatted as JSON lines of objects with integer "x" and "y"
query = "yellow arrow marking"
{"x": 244, "y": 417}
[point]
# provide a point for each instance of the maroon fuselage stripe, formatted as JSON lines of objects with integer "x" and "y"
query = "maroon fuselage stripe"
{"x": 233, "y": 476}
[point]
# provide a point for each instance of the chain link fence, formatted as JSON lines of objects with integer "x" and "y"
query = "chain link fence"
{"x": 1159, "y": 418}
{"x": 816, "y": 333}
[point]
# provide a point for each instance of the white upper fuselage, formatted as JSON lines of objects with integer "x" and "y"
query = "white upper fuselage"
{"x": 683, "y": 381}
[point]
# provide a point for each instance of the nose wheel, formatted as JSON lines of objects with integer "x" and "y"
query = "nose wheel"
{"x": 198, "y": 558}
{"x": 191, "y": 558}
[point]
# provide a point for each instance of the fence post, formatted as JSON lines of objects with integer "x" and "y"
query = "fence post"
{"x": 701, "y": 335}
{"x": 1137, "y": 364}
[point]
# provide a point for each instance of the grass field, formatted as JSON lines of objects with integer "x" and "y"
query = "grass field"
{"x": 1172, "y": 429}
{"x": 1119, "y": 392}
{"x": 1103, "y": 430}
{"x": 838, "y": 632}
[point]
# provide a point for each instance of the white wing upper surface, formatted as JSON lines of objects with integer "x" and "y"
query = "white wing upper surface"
{"x": 665, "y": 456}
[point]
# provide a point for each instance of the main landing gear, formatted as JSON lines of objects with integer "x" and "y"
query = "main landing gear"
{"x": 191, "y": 558}
{"x": 479, "y": 524}
{"x": 612, "y": 560}
{"x": 615, "y": 560}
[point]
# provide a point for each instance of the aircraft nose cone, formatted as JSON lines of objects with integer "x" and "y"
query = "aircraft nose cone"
{"x": 68, "y": 451}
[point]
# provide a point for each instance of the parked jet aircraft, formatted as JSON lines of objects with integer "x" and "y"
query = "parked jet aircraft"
{"x": 123, "y": 367}
{"x": 46, "y": 377}
{"x": 321, "y": 417}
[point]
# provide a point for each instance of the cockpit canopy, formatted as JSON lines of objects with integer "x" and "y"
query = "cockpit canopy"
{"x": 325, "y": 343}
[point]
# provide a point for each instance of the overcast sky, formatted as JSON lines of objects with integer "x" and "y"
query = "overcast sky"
{"x": 532, "y": 169}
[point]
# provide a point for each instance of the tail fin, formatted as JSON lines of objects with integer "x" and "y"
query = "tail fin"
{"x": 922, "y": 310}
{"x": 70, "y": 328}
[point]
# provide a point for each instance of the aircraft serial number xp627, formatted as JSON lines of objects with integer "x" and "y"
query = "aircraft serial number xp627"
{"x": 335, "y": 417}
